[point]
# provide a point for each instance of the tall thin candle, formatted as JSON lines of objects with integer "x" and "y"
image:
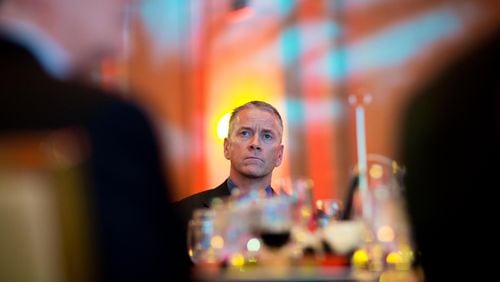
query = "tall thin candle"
{"x": 362, "y": 159}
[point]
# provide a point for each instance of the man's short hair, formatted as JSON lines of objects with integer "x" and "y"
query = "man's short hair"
{"x": 261, "y": 105}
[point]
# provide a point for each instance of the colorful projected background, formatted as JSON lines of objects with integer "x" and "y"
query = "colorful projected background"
{"x": 192, "y": 61}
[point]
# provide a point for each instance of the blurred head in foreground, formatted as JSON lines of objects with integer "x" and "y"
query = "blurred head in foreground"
{"x": 45, "y": 45}
{"x": 80, "y": 33}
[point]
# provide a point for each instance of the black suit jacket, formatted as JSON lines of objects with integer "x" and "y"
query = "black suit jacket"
{"x": 185, "y": 207}
{"x": 128, "y": 190}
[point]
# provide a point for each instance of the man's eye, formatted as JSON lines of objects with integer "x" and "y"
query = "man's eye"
{"x": 268, "y": 136}
{"x": 245, "y": 133}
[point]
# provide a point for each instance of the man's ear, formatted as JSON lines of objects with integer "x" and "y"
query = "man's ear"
{"x": 226, "y": 148}
{"x": 279, "y": 159}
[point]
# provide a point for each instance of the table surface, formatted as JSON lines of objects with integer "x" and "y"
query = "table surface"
{"x": 289, "y": 274}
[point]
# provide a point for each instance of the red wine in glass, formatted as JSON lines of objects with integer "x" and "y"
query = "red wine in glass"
{"x": 275, "y": 240}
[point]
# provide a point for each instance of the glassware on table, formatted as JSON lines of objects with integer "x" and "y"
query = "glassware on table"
{"x": 327, "y": 210}
{"x": 240, "y": 247}
{"x": 300, "y": 191}
{"x": 204, "y": 238}
{"x": 304, "y": 234}
{"x": 381, "y": 206}
{"x": 273, "y": 227}
{"x": 275, "y": 221}
{"x": 344, "y": 236}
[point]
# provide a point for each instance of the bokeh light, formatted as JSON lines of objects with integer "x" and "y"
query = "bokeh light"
{"x": 223, "y": 126}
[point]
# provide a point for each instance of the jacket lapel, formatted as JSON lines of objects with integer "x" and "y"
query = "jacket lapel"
{"x": 220, "y": 191}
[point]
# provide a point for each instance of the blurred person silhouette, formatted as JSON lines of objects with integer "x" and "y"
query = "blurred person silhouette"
{"x": 46, "y": 47}
{"x": 254, "y": 148}
{"x": 448, "y": 147}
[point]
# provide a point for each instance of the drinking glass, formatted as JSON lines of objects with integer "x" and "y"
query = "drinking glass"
{"x": 300, "y": 192}
{"x": 381, "y": 206}
{"x": 385, "y": 212}
{"x": 274, "y": 226}
{"x": 205, "y": 240}
{"x": 275, "y": 221}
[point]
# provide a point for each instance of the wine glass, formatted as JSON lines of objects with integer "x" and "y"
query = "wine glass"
{"x": 274, "y": 228}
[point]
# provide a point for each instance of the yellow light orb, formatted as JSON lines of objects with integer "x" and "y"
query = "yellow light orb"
{"x": 360, "y": 258}
{"x": 237, "y": 260}
{"x": 394, "y": 258}
{"x": 376, "y": 171}
{"x": 223, "y": 126}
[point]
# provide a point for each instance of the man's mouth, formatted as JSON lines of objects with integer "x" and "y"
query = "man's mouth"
{"x": 253, "y": 159}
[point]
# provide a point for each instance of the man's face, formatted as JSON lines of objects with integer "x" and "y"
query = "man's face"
{"x": 254, "y": 145}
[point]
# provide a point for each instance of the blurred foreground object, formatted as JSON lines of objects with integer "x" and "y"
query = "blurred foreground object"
{"x": 44, "y": 223}
{"x": 449, "y": 142}
{"x": 47, "y": 48}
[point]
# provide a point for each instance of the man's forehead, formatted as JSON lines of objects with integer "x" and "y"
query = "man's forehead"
{"x": 256, "y": 117}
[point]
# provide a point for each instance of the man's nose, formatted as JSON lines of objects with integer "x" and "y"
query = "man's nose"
{"x": 255, "y": 143}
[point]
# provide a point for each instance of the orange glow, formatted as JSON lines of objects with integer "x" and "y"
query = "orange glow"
{"x": 235, "y": 85}
{"x": 217, "y": 242}
{"x": 376, "y": 171}
{"x": 240, "y": 92}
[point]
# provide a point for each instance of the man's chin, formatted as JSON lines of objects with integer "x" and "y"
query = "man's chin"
{"x": 254, "y": 174}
